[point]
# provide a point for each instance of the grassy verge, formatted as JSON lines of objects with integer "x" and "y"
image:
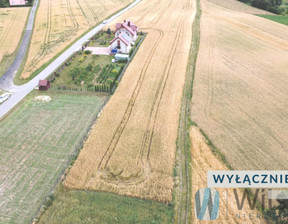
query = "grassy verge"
{"x": 182, "y": 171}
{"x": 276, "y": 18}
{"x": 18, "y": 81}
{"x": 96, "y": 207}
{"x": 38, "y": 141}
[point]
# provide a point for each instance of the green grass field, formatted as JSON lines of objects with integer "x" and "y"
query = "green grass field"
{"x": 278, "y": 19}
{"x": 84, "y": 207}
{"x": 37, "y": 141}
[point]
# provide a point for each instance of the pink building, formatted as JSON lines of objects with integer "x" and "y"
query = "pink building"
{"x": 125, "y": 36}
{"x": 17, "y": 2}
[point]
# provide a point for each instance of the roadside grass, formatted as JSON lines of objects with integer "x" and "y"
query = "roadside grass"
{"x": 96, "y": 207}
{"x": 276, "y": 18}
{"x": 38, "y": 141}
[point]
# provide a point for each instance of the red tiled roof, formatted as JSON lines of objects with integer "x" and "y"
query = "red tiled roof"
{"x": 132, "y": 25}
{"x": 132, "y": 28}
{"x": 121, "y": 38}
{"x": 118, "y": 26}
{"x": 43, "y": 82}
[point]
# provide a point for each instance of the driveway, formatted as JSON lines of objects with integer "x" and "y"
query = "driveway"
{"x": 99, "y": 50}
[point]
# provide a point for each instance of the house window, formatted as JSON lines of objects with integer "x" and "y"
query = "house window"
{"x": 118, "y": 44}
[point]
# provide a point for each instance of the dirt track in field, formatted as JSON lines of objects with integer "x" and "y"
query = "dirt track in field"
{"x": 131, "y": 150}
{"x": 58, "y": 23}
{"x": 240, "y": 87}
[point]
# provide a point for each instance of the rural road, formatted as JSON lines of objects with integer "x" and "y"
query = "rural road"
{"x": 19, "y": 92}
{"x": 6, "y": 81}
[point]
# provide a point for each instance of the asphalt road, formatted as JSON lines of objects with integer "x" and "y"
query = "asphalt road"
{"x": 19, "y": 92}
{"x": 6, "y": 81}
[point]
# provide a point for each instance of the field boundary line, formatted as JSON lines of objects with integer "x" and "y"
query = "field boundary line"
{"x": 69, "y": 162}
{"x": 182, "y": 168}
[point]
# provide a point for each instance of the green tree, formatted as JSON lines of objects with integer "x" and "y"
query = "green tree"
{"x": 4, "y": 3}
{"x": 74, "y": 73}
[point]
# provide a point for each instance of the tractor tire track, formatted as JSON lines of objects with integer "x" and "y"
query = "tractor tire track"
{"x": 95, "y": 17}
{"x": 3, "y": 37}
{"x": 148, "y": 136}
{"x": 49, "y": 44}
{"x": 111, "y": 148}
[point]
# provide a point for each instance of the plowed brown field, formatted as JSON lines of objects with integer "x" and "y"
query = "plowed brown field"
{"x": 58, "y": 23}
{"x": 131, "y": 150}
{"x": 240, "y": 87}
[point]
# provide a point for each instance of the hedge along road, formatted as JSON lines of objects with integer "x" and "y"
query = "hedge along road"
{"x": 19, "y": 92}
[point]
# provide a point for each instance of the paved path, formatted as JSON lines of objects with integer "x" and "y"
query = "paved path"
{"x": 99, "y": 50}
{"x": 19, "y": 92}
{"x": 6, "y": 81}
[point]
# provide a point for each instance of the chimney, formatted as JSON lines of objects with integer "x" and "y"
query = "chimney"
{"x": 129, "y": 23}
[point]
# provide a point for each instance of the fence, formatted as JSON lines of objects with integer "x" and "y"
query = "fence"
{"x": 125, "y": 67}
{"x": 97, "y": 89}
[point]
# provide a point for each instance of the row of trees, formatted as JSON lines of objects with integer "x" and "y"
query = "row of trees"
{"x": 268, "y": 5}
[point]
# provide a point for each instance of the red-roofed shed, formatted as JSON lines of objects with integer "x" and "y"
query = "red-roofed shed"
{"x": 44, "y": 85}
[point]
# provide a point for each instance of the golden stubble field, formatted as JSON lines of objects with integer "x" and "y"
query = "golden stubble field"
{"x": 12, "y": 22}
{"x": 59, "y": 22}
{"x": 131, "y": 149}
{"x": 203, "y": 160}
{"x": 240, "y": 87}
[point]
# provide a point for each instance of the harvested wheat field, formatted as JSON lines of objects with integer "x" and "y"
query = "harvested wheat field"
{"x": 131, "y": 150}
{"x": 239, "y": 6}
{"x": 12, "y": 22}
{"x": 203, "y": 160}
{"x": 58, "y": 23}
{"x": 240, "y": 87}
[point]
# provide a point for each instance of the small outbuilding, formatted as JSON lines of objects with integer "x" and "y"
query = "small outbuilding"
{"x": 121, "y": 57}
{"x": 44, "y": 85}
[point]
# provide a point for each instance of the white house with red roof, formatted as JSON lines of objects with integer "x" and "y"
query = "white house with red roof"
{"x": 125, "y": 35}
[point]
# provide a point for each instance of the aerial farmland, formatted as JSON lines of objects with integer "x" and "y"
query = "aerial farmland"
{"x": 58, "y": 23}
{"x": 9, "y": 35}
{"x": 119, "y": 109}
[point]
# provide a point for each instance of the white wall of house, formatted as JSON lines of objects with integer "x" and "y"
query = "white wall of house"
{"x": 17, "y": 2}
{"x": 123, "y": 47}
